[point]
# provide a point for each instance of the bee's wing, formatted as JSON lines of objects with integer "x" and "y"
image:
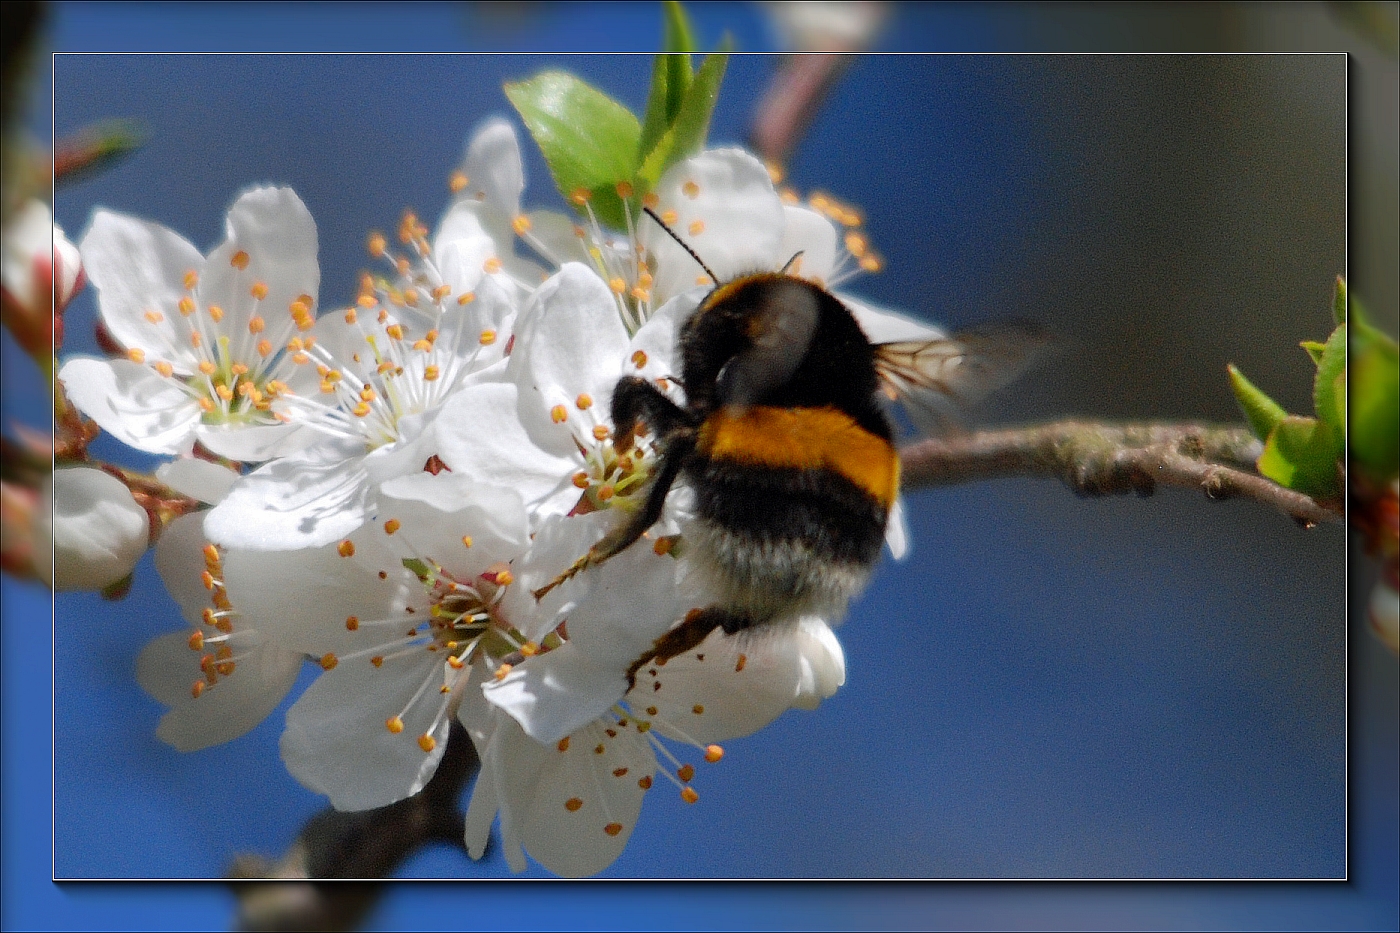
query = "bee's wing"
{"x": 936, "y": 380}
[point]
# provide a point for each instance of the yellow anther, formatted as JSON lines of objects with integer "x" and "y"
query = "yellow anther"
{"x": 411, "y": 298}
{"x": 573, "y": 804}
{"x": 703, "y": 280}
{"x": 558, "y": 414}
{"x": 431, "y": 373}
{"x": 256, "y": 325}
{"x": 264, "y": 347}
{"x": 689, "y": 795}
{"x": 457, "y": 182}
{"x": 581, "y": 479}
{"x": 690, "y": 189}
{"x": 739, "y": 664}
{"x": 563, "y": 745}
{"x": 651, "y": 200}
{"x": 367, "y": 394}
{"x": 298, "y": 308}
{"x": 395, "y": 331}
{"x": 521, "y": 225}
{"x": 505, "y": 578}
{"x": 698, "y": 709}
{"x": 617, "y": 284}
{"x": 352, "y": 623}
{"x": 329, "y": 661}
{"x": 377, "y": 660}
{"x": 346, "y": 548}
{"x": 258, "y": 291}
{"x": 851, "y": 218}
{"x": 686, "y": 772}
{"x": 605, "y": 493}
{"x": 360, "y": 410}
{"x": 662, "y": 547}
{"x": 619, "y": 772}
{"x": 136, "y": 355}
{"x": 580, "y": 196}
{"x": 871, "y": 263}
{"x": 670, "y": 218}
{"x": 191, "y": 278}
{"x": 466, "y": 298}
{"x": 206, "y": 404}
{"x": 644, "y": 782}
{"x": 456, "y": 663}
{"x": 377, "y": 244}
{"x": 239, "y": 260}
{"x": 392, "y": 525}
{"x": 639, "y": 293}
{"x": 855, "y": 244}
{"x": 612, "y": 829}
{"x": 224, "y": 392}
{"x": 623, "y": 189}
{"x": 788, "y": 196}
{"x": 502, "y": 671}
{"x": 775, "y": 171}
{"x": 206, "y": 367}
{"x": 584, "y": 401}
{"x": 491, "y": 266}
{"x": 394, "y": 724}
{"x": 216, "y": 313}
{"x": 466, "y": 540}
{"x": 487, "y": 338}
{"x": 239, "y": 369}
{"x": 601, "y": 432}
{"x": 196, "y": 689}
{"x": 713, "y": 753}
{"x": 196, "y": 642}
{"x": 207, "y": 616}
{"x": 599, "y": 748}
{"x": 164, "y": 368}
{"x": 529, "y": 649}
{"x": 401, "y": 265}
{"x": 696, "y": 227}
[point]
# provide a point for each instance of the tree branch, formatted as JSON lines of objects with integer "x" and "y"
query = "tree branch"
{"x": 1096, "y": 459}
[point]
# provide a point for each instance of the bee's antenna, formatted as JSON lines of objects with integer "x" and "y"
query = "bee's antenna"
{"x": 795, "y": 256}
{"x": 684, "y": 245}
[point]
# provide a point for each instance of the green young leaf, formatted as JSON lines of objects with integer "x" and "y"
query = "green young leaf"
{"x": 671, "y": 74}
{"x": 1375, "y": 402}
{"x": 1314, "y": 350}
{"x": 1332, "y": 364}
{"x": 677, "y": 36}
{"x": 687, "y": 133}
{"x": 1339, "y": 301}
{"x": 588, "y": 139}
{"x": 1301, "y": 453}
{"x": 1263, "y": 412}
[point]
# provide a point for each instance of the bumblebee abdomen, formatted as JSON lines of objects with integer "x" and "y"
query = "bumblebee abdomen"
{"x": 792, "y": 505}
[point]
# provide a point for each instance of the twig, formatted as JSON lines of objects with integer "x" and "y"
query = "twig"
{"x": 1096, "y": 459}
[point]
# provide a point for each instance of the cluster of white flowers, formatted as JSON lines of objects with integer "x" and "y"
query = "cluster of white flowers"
{"x": 423, "y": 462}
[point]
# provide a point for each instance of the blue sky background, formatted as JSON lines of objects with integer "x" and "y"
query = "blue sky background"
{"x": 1048, "y": 687}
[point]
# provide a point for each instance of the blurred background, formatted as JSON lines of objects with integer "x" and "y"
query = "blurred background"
{"x": 1048, "y": 687}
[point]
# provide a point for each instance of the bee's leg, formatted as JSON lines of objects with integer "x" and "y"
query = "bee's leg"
{"x": 637, "y": 400}
{"x": 676, "y": 451}
{"x": 696, "y": 628}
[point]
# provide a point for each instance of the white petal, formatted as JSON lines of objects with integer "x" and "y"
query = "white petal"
{"x": 558, "y": 542}
{"x": 515, "y": 762}
{"x": 198, "y": 479}
{"x": 622, "y": 607}
{"x": 263, "y": 674}
{"x": 884, "y": 326}
{"x": 308, "y": 499}
{"x": 734, "y": 222}
{"x": 823, "y": 663}
{"x": 98, "y": 530}
{"x": 553, "y": 694}
{"x": 897, "y": 531}
{"x": 481, "y": 812}
{"x": 435, "y": 513}
{"x": 138, "y": 266}
{"x": 253, "y": 443}
{"x": 480, "y": 435}
{"x": 336, "y": 741}
{"x": 275, "y": 229}
{"x": 133, "y": 403}
{"x": 303, "y": 598}
{"x": 494, "y": 172}
{"x": 658, "y": 338}
{"x": 462, "y": 246}
{"x": 570, "y": 341}
{"x": 179, "y": 560}
{"x": 814, "y": 236}
{"x": 581, "y": 792}
{"x": 553, "y": 235}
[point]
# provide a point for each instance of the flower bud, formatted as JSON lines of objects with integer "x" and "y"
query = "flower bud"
{"x": 41, "y": 271}
{"x": 98, "y": 530}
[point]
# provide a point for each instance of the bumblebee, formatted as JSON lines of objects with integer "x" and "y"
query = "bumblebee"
{"x": 785, "y": 440}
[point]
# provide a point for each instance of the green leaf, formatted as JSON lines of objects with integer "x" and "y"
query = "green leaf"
{"x": 1332, "y": 364}
{"x": 1263, "y": 412}
{"x": 677, "y": 36}
{"x": 687, "y": 133}
{"x": 1339, "y": 301}
{"x": 671, "y": 75}
{"x": 1314, "y": 350}
{"x": 1375, "y": 403}
{"x": 1301, "y": 453}
{"x": 588, "y": 139}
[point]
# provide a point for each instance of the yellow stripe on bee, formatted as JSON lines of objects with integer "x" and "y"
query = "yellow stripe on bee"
{"x": 805, "y": 439}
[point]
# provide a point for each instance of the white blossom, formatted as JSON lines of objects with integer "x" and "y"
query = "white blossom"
{"x": 98, "y": 530}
